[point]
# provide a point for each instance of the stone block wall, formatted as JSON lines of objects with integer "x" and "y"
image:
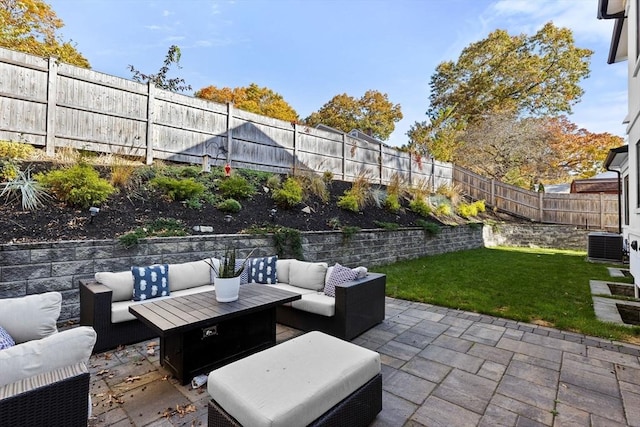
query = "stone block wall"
{"x": 40, "y": 267}
{"x": 536, "y": 235}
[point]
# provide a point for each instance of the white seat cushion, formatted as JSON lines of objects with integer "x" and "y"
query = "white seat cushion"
{"x": 294, "y": 289}
{"x": 31, "y": 317}
{"x": 47, "y": 354}
{"x": 293, "y": 383}
{"x": 317, "y": 303}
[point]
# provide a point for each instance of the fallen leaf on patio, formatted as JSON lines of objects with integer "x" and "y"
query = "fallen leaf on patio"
{"x": 180, "y": 411}
{"x": 132, "y": 379}
{"x": 102, "y": 372}
{"x": 151, "y": 351}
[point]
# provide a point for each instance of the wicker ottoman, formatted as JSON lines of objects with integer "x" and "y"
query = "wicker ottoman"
{"x": 314, "y": 379}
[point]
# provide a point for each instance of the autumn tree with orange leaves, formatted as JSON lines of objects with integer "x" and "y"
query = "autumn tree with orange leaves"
{"x": 31, "y": 26}
{"x": 255, "y": 99}
{"x": 577, "y": 151}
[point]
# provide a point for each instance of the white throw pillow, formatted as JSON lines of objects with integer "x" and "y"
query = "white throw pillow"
{"x": 189, "y": 275}
{"x": 47, "y": 354}
{"x": 282, "y": 270}
{"x": 121, "y": 283}
{"x": 31, "y": 317}
{"x": 308, "y": 275}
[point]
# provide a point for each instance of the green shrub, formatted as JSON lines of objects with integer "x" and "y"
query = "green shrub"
{"x": 161, "y": 227}
{"x": 273, "y": 182}
{"x": 391, "y": 203}
{"x": 348, "y": 231}
{"x": 430, "y": 228}
{"x": 179, "y": 189}
{"x": 15, "y": 150}
{"x": 236, "y": 187}
{"x": 9, "y": 170}
{"x": 349, "y": 202}
{"x": 193, "y": 203}
{"x": 78, "y": 185}
{"x": 391, "y": 226}
{"x": 289, "y": 195}
{"x": 419, "y": 206}
{"x": 229, "y": 205}
{"x": 480, "y": 206}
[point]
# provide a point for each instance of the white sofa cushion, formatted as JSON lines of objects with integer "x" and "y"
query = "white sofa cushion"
{"x": 47, "y": 354}
{"x": 121, "y": 283}
{"x": 275, "y": 387}
{"x": 294, "y": 289}
{"x": 31, "y": 317}
{"x": 282, "y": 270}
{"x": 120, "y": 309}
{"x": 317, "y": 303}
{"x": 309, "y": 275}
{"x": 189, "y": 274}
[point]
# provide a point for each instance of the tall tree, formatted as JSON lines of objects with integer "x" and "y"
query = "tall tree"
{"x": 373, "y": 114}
{"x": 259, "y": 100}
{"x": 160, "y": 79}
{"x": 438, "y": 137}
{"x": 579, "y": 152}
{"x": 530, "y": 75}
{"x": 31, "y": 26}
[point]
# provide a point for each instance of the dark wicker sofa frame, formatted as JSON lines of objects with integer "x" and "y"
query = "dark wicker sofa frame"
{"x": 60, "y": 404}
{"x": 359, "y": 306}
{"x": 95, "y": 311}
{"x": 359, "y": 409}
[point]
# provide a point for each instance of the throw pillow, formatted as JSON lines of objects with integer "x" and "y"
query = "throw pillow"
{"x": 339, "y": 275}
{"x": 150, "y": 282}
{"x": 263, "y": 270}
{"x": 31, "y": 317}
{"x": 5, "y": 339}
{"x": 244, "y": 276}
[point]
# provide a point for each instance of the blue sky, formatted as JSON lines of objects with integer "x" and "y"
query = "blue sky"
{"x": 311, "y": 50}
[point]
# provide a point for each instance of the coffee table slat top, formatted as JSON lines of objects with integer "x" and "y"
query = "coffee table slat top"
{"x": 172, "y": 315}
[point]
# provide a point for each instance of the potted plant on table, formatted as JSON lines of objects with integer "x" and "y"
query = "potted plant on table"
{"x": 227, "y": 276}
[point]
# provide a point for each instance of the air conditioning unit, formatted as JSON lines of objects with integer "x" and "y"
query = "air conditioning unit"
{"x": 605, "y": 247}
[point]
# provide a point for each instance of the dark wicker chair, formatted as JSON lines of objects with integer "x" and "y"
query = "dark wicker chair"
{"x": 95, "y": 311}
{"x": 62, "y": 400}
{"x": 360, "y": 306}
{"x": 359, "y": 409}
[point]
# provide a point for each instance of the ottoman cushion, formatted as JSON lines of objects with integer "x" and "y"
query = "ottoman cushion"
{"x": 294, "y": 382}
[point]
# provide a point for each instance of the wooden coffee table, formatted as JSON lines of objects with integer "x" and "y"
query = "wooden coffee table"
{"x": 198, "y": 334}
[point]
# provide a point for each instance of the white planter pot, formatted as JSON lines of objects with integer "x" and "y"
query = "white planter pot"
{"x": 226, "y": 289}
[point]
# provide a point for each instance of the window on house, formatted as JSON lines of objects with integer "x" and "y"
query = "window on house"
{"x": 625, "y": 195}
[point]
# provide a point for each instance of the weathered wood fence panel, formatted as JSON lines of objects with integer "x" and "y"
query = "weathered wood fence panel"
{"x": 50, "y": 104}
{"x": 598, "y": 211}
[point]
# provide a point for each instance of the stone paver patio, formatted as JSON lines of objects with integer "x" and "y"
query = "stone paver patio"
{"x": 441, "y": 367}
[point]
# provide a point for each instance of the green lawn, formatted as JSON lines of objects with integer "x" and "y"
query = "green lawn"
{"x": 543, "y": 286}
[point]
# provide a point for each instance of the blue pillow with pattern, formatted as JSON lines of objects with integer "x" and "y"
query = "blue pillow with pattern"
{"x": 150, "y": 282}
{"x": 5, "y": 339}
{"x": 244, "y": 276}
{"x": 263, "y": 270}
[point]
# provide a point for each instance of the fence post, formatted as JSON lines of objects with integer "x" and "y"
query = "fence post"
{"x": 229, "y": 130}
{"x": 541, "y": 206}
{"x": 52, "y": 82}
{"x": 380, "y": 161}
{"x": 602, "y": 211}
{"x": 294, "y": 161}
{"x": 344, "y": 156}
{"x": 150, "y": 116}
{"x": 410, "y": 168}
{"x": 492, "y": 197}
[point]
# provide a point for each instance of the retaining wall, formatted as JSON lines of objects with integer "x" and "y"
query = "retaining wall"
{"x": 40, "y": 267}
{"x": 536, "y": 235}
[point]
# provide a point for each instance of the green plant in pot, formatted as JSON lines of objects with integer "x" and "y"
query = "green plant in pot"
{"x": 227, "y": 276}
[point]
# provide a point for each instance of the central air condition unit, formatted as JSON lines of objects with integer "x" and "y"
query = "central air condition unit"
{"x": 605, "y": 247}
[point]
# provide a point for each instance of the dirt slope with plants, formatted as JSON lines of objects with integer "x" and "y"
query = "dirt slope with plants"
{"x": 155, "y": 200}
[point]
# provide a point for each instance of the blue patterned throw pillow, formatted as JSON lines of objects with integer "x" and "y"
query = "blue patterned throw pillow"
{"x": 263, "y": 270}
{"x": 5, "y": 339}
{"x": 339, "y": 275}
{"x": 244, "y": 276}
{"x": 150, "y": 282}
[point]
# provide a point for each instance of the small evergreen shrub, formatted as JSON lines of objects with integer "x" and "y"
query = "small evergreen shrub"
{"x": 79, "y": 185}
{"x": 430, "y": 228}
{"x": 273, "y": 182}
{"x": 229, "y": 205}
{"x": 161, "y": 227}
{"x": 348, "y": 202}
{"x": 467, "y": 210}
{"x": 419, "y": 206}
{"x": 444, "y": 209}
{"x": 236, "y": 187}
{"x": 391, "y": 203}
{"x": 391, "y": 226}
{"x": 179, "y": 189}
{"x": 289, "y": 195}
{"x": 9, "y": 170}
{"x": 480, "y": 206}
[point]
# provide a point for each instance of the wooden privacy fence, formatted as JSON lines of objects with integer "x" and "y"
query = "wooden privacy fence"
{"x": 51, "y": 104}
{"x": 596, "y": 211}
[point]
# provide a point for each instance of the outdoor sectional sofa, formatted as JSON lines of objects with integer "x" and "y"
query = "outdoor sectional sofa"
{"x": 357, "y": 306}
